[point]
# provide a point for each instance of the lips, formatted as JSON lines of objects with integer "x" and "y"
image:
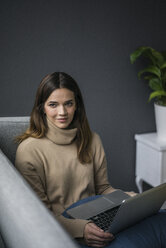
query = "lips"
{"x": 62, "y": 119}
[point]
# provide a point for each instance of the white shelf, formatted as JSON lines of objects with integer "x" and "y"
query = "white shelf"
{"x": 151, "y": 140}
{"x": 150, "y": 160}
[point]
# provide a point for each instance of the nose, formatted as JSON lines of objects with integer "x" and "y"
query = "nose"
{"x": 62, "y": 110}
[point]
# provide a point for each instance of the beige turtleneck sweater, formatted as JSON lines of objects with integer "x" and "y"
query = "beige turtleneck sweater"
{"x": 51, "y": 167}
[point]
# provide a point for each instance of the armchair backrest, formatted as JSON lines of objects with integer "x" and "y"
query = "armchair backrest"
{"x": 11, "y": 127}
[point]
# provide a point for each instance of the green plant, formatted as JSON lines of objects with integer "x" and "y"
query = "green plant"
{"x": 154, "y": 73}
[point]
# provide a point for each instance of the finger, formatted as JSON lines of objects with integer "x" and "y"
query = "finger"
{"x": 131, "y": 193}
{"x": 101, "y": 239}
{"x": 98, "y": 234}
{"x": 98, "y": 244}
{"x": 96, "y": 227}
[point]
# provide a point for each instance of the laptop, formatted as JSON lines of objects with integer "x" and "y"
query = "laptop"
{"x": 116, "y": 211}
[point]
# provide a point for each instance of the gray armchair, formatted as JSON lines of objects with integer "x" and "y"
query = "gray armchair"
{"x": 24, "y": 220}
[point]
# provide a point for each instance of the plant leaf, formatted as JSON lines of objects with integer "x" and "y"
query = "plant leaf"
{"x": 155, "y": 84}
{"x": 137, "y": 53}
{"x": 163, "y": 65}
{"x": 157, "y": 94}
{"x": 156, "y": 57}
{"x": 149, "y": 77}
{"x": 151, "y": 69}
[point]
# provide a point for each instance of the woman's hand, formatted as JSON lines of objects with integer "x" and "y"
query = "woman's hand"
{"x": 96, "y": 237}
{"x": 131, "y": 193}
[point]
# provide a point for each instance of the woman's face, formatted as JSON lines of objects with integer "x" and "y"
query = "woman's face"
{"x": 60, "y": 107}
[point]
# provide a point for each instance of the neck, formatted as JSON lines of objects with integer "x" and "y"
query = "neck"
{"x": 60, "y": 136}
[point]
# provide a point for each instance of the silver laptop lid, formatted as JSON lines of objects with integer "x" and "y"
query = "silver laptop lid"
{"x": 138, "y": 207}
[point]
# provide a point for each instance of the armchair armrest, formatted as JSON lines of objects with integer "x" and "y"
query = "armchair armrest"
{"x": 25, "y": 221}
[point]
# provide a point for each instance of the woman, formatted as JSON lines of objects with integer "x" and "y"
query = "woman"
{"x": 61, "y": 158}
{"x": 59, "y": 155}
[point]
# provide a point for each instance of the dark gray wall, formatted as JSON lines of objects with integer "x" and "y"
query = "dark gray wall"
{"x": 92, "y": 41}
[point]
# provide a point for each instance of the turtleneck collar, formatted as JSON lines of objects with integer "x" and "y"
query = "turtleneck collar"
{"x": 60, "y": 136}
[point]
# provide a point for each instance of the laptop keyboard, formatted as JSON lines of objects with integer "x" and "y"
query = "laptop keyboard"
{"x": 103, "y": 220}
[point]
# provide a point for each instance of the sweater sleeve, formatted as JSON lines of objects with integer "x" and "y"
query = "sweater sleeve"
{"x": 30, "y": 167}
{"x": 102, "y": 185}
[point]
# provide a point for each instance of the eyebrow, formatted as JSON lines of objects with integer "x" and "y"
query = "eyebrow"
{"x": 71, "y": 100}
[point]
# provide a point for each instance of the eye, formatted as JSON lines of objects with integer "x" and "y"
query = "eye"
{"x": 53, "y": 105}
{"x": 69, "y": 104}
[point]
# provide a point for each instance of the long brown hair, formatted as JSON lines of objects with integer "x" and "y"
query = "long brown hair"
{"x": 38, "y": 123}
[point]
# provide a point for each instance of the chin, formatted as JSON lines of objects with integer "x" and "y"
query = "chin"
{"x": 62, "y": 125}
